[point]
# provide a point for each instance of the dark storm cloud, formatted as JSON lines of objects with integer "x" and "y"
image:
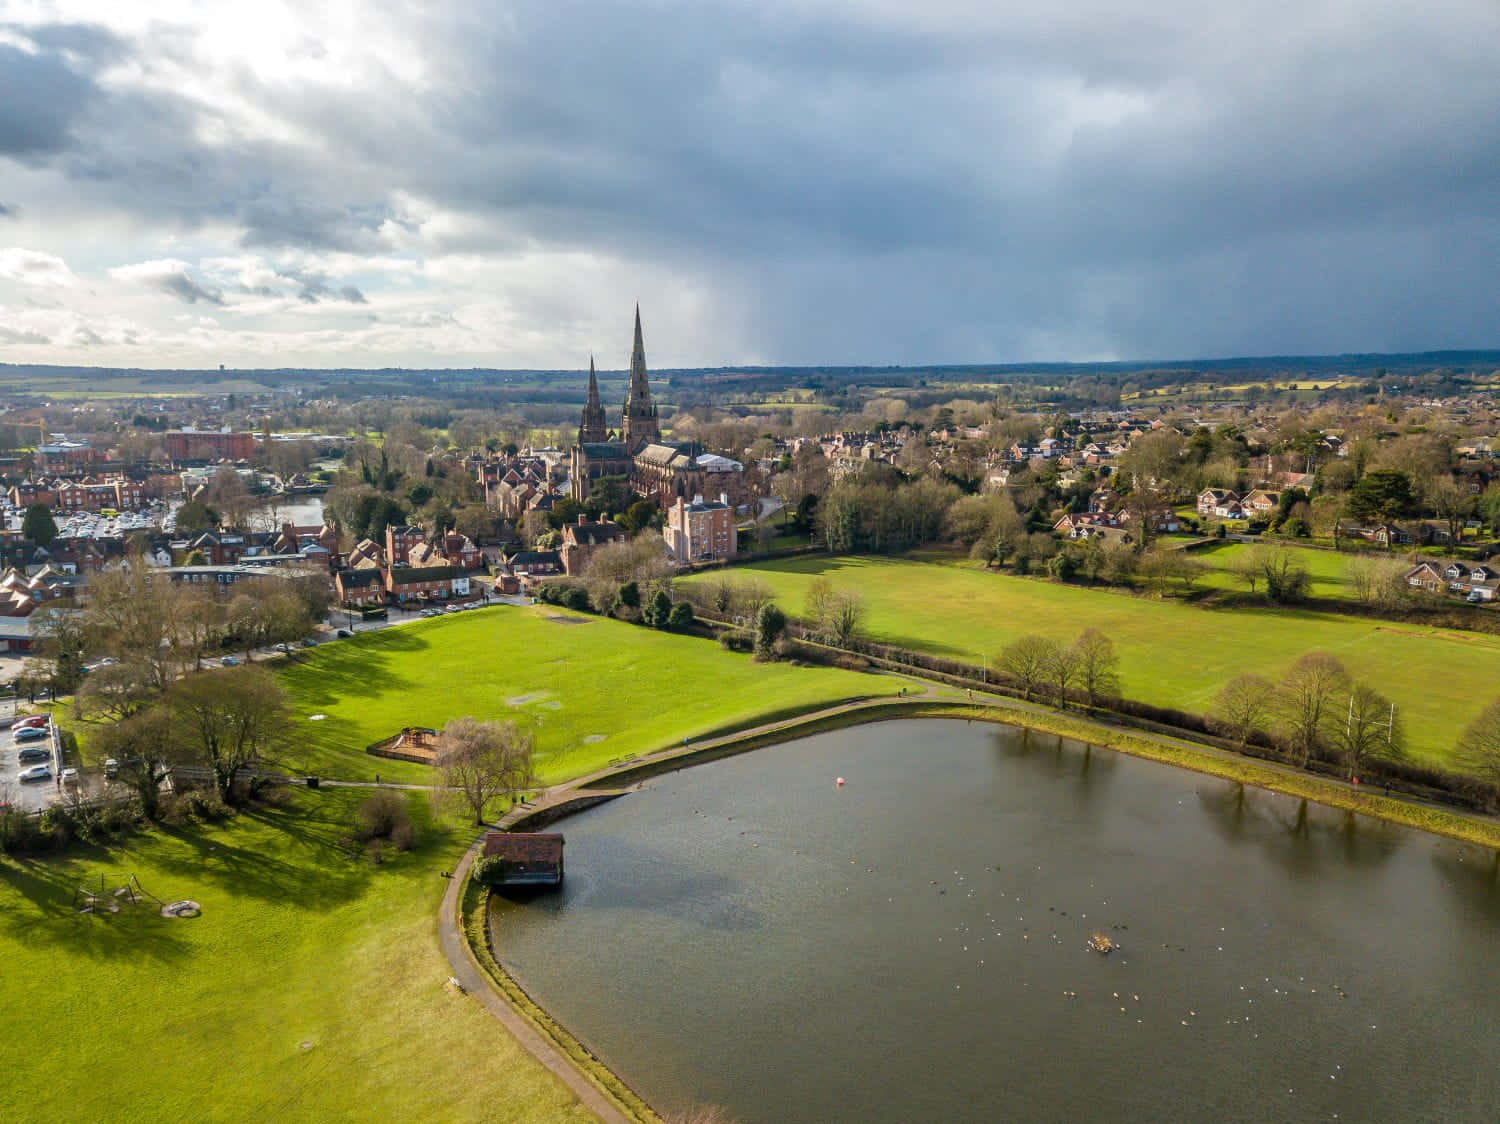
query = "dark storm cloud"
{"x": 1012, "y": 182}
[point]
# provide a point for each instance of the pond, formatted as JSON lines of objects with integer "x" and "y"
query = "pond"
{"x": 913, "y": 945}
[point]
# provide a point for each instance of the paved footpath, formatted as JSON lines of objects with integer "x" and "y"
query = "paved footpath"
{"x": 477, "y": 984}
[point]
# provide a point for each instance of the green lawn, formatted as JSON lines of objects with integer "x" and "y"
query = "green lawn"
{"x": 592, "y": 688}
{"x": 133, "y": 1017}
{"x": 1172, "y": 654}
{"x": 1328, "y": 570}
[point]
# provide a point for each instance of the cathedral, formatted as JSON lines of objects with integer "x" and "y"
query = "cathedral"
{"x": 661, "y": 471}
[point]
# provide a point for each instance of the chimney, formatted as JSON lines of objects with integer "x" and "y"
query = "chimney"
{"x": 724, "y": 498}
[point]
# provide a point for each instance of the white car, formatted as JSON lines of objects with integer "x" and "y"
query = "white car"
{"x": 35, "y": 773}
{"x": 70, "y": 775}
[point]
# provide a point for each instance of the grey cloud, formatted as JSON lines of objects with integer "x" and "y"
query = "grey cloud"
{"x": 184, "y": 288}
{"x": 7, "y": 211}
{"x": 86, "y": 337}
{"x": 14, "y": 335}
{"x": 1032, "y": 181}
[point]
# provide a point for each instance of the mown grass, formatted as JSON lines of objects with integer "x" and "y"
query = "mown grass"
{"x": 1171, "y": 654}
{"x": 593, "y": 689}
{"x": 311, "y": 988}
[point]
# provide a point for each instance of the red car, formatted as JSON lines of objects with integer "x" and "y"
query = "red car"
{"x": 34, "y": 720}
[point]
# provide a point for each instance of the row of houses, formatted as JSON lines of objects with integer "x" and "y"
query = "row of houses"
{"x": 1475, "y": 581}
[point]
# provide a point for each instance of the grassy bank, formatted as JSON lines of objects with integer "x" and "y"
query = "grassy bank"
{"x": 1171, "y": 654}
{"x": 593, "y": 689}
{"x": 474, "y": 905}
{"x": 311, "y": 988}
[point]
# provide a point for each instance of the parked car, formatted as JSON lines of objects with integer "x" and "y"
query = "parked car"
{"x": 34, "y": 753}
{"x": 70, "y": 775}
{"x": 230, "y": 661}
{"x": 35, "y": 773}
{"x": 309, "y": 642}
{"x": 111, "y": 768}
{"x": 343, "y": 634}
{"x": 42, "y": 720}
{"x": 30, "y": 733}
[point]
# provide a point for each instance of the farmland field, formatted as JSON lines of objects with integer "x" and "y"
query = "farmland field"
{"x": 1172, "y": 654}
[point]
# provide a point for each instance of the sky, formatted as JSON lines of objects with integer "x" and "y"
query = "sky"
{"x": 439, "y": 183}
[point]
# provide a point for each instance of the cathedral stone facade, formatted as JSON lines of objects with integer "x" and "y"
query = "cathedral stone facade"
{"x": 662, "y": 471}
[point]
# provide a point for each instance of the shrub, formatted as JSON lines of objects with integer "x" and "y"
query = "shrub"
{"x": 680, "y": 619}
{"x": 382, "y": 816}
{"x": 737, "y": 640}
{"x": 489, "y": 870}
{"x": 577, "y": 599}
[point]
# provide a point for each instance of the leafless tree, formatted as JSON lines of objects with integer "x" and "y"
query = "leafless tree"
{"x": 1029, "y": 662}
{"x": 1062, "y": 672}
{"x": 144, "y": 749}
{"x": 1371, "y": 727}
{"x": 1307, "y": 697}
{"x": 1479, "y": 747}
{"x": 230, "y": 720}
{"x": 1243, "y": 708}
{"x": 1098, "y": 664}
{"x": 483, "y": 761}
{"x": 131, "y": 616}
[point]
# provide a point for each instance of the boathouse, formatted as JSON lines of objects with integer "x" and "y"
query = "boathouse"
{"x": 528, "y": 859}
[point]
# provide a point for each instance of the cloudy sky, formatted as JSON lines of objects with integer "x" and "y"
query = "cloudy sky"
{"x": 462, "y": 183}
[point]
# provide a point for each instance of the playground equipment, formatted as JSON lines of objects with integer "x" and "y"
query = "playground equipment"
{"x": 87, "y": 899}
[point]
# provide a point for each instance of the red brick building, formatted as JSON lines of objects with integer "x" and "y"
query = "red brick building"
{"x": 207, "y": 445}
{"x": 700, "y": 530}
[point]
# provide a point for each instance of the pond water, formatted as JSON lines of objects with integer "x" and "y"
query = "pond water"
{"x": 912, "y": 946}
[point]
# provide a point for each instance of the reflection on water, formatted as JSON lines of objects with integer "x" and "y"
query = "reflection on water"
{"x": 912, "y": 946}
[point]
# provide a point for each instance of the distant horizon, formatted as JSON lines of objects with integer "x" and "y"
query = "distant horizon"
{"x": 1366, "y": 358}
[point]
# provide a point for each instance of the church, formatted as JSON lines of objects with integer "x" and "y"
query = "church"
{"x": 661, "y": 471}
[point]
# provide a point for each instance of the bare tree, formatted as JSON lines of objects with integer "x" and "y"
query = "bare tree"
{"x": 130, "y": 616}
{"x": 1479, "y": 747}
{"x": 118, "y": 690}
{"x": 834, "y": 615}
{"x": 1098, "y": 664}
{"x": 1307, "y": 695}
{"x": 143, "y": 749}
{"x": 1370, "y": 728}
{"x": 1243, "y": 708}
{"x": 642, "y": 560}
{"x": 1028, "y": 661}
{"x": 483, "y": 761}
{"x": 230, "y": 720}
{"x": 1062, "y": 670}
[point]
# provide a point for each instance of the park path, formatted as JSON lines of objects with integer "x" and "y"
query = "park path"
{"x": 478, "y": 985}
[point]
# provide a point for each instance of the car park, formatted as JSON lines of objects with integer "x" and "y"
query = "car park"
{"x": 35, "y": 773}
{"x": 30, "y": 733}
{"x": 35, "y": 753}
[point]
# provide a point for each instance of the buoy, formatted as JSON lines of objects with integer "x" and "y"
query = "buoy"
{"x": 839, "y": 782}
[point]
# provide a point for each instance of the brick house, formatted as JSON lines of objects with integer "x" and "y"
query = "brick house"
{"x": 582, "y": 540}
{"x": 701, "y": 530}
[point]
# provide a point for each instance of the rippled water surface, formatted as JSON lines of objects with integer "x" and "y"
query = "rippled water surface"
{"x": 912, "y": 946}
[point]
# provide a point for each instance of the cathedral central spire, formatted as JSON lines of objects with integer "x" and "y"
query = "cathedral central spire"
{"x": 639, "y": 423}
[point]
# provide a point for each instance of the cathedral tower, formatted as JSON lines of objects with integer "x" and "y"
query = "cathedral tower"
{"x": 639, "y": 423}
{"x": 591, "y": 427}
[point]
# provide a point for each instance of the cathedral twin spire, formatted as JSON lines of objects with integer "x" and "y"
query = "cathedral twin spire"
{"x": 639, "y": 424}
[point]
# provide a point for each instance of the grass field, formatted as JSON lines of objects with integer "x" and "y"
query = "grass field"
{"x": 1172, "y": 654}
{"x": 1327, "y": 570}
{"x": 134, "y": 1017}
{"x": 592, "y": 688}
{"x": 312, "y": 988}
